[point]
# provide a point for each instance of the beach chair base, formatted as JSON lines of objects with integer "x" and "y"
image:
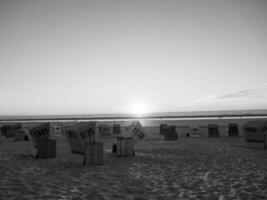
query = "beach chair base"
{"x": 77, "y": 158}
{"x": 124, "y": 146}
{"x": 94, "y": 153}
{"x": 46, "y": 149}
{"x": 257, "y": 140}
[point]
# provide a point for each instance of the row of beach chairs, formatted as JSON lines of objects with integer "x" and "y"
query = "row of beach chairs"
{"x": 255, "y": 131}
{"x": 82, "y": 140}
{"x": 169, "y": 131}
{"x": 86, "y": 150}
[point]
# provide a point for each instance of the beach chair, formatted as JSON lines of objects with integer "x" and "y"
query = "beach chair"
{"x": 8, "y": 131}
{"x": 169, "y": 132}
{"x": 233, "y": 130}
{"x": 123, "y": 145}
{"x": 39, "y": 136}
{"x": 256, "y": 132}
{"x": 213, "y": 130}
{"x": 84, "y": 148}
{"x": 19, "y": 133}
{"x": 162, "y": 128}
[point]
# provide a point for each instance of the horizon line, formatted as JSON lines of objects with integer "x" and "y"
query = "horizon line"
{"x": 120, "y": 116}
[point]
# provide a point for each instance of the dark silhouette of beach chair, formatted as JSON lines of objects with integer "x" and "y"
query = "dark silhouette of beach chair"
{"x": 14, "y": 130}
{"x": 46, "y": 147}
{"x": 233, "y": 130}
{"x": 162, "y": 128}
{"x": 8, "y": 131}
{"x": 169, "y": 132}
{"x": 256, "y": 132}
{"x": 123, "y": 145}
{"x": 213, "y": 130}
{"x": 20, "y": 133}
{"x": 84, "y": 148}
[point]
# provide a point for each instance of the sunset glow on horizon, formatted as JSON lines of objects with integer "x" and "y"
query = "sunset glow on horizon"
{"x": 139, "y": 108}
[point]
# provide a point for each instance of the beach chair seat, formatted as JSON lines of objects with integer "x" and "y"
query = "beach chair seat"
{"x": 46, "y": 148}
{"x": 124, "y": 146}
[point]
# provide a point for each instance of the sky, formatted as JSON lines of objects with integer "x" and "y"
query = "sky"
{"x": 121, "y": 56}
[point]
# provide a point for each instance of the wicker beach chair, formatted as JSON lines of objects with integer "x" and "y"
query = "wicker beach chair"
{"x": 123, "y": 145}
{"x": 256, "y": 132}
{"x": 40, "y": 138}
{"x": 84, "y": 148}
{"x": 213, "y": 130}
{"x": 169, "y": 132}
{"x": 233, "y": 129}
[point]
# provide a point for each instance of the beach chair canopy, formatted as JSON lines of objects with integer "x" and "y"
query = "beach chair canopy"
{"x": 135, "y": 130}
{"x": 39, "y": 132}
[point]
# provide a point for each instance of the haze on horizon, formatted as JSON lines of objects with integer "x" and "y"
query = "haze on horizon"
{"x": 93, "y": 57}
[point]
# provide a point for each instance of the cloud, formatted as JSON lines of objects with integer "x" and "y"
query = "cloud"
{"x": 239, "y": 94}
{"x": 252, "y": 97}
{"x": 257, "y": 91}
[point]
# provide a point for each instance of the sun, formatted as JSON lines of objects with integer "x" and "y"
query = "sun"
{"x": 139, "y": 108}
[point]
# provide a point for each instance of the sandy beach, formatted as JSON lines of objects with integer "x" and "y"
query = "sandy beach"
{"x": 189, "y": 168}
{"x": 133, "y": 100}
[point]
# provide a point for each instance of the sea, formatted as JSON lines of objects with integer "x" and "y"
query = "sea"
{"x": 147, "y": 119}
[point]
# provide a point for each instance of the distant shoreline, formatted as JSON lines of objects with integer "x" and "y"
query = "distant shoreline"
{"x": 129, "y": 117}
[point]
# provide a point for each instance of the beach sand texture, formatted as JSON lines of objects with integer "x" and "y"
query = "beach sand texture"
{"x": 189, "y": 168}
